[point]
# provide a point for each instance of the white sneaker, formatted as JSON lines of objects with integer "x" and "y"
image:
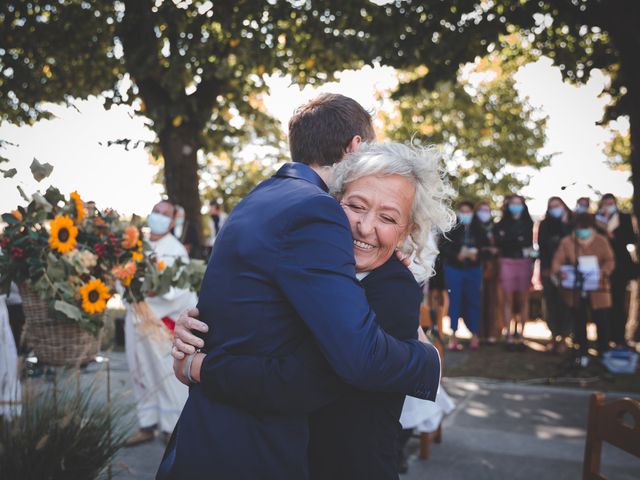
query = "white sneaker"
{"x": 584, "y": 361}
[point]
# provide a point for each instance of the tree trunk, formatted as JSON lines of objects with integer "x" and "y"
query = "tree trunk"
{"x": 180, "y": 151}
{"x": 623, "y": 21}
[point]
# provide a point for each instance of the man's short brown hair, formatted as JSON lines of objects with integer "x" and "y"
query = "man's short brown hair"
{"x": 321, "y": 130}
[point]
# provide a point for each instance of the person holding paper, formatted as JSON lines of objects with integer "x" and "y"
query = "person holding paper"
{"x": 583, "y": 256}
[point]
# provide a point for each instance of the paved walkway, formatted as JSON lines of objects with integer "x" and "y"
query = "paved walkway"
{"x": 498, "y": 431}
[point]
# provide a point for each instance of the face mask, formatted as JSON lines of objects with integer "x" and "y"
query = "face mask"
{"x": 583, "y": 233}
{"x": 179, "y": 222}
{"x": 556, "y": 212}
{"x": 611, "y": 209}
{"x": 484, "y": 216}
{"x": 465, "y": 218}
{"x": 581, "y": 209}
{"x": 158, "y": 223}
{"x": 516, "y": 209}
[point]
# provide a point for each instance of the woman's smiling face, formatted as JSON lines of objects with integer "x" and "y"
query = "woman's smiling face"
{"x": 379, "y": 212}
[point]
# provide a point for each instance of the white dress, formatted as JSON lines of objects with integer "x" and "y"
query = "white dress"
{"x": 159, "y": 395}
{"x": 426, "y": 416}
{"x": 10, "y": 392}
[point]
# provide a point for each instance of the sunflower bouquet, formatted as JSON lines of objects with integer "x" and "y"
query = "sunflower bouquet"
{"x": 57, "y": 248}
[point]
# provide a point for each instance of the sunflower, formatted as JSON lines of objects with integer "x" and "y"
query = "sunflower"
{"x": 62, "y": 236}
{"x": 94, "y": 296}
{"x": 79, "y": 204}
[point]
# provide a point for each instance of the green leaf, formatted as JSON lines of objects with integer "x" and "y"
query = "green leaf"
{"x": 10, "y": 219}
{"x": 53, "y": 195}
{"x": 70, "y": 311}
{"x": 42, "y": 202}
{"x": 9, "y": 173}
{"x": 22, "y": 194}
{"x": 40, "y": 171}
{"x": 55, "y": 268}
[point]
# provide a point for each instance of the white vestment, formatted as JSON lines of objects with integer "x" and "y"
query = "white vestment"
{"x": 160, "y": 396}
{"x": 9, "y": 382}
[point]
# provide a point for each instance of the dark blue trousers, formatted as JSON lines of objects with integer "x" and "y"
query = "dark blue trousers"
{"x": 464, "y": 286}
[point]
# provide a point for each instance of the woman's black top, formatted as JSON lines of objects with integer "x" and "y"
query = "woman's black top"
{"x": 513, "y": 236}
{"x": 471, "y": 236}
{"x": 551, "y": 231}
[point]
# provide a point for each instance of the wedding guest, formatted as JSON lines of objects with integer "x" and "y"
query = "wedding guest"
{"x": 10, "y": 388}
{"x": 618, "y": 228}
{"x": 463, "y": 273}
{"x": 16, "y": 315}
{"x": 159, "y": 396}
{"x": 586, "y": 242}
{"x": 514, "y": 238}
{"x": 583, "y": 205}
{"x": 437, "y": 298}
{"x": 491, "y": 318}
{"x": 556, "y": 225}
{"x": 187, "y": 233}
{"x": 217, "y": 219}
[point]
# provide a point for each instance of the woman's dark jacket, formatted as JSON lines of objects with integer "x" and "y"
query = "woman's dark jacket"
{"x": 550, "y": 232}
{"x": 512, "y": 236}
{"x": 474, "y": 236}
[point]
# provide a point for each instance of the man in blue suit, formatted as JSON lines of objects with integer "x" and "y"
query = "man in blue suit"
{"x": 282, "y": 279}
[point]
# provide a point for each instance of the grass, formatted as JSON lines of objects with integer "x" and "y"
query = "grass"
{"x": 65, "y": 430}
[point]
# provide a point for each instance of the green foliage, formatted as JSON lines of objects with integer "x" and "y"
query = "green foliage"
{"x": 618, "y": 151}
{"x": 230, "y": 178}
{"x": 68, "y": 434}
{"x": 195, "y": 69}
{"x": 483, "y": 126}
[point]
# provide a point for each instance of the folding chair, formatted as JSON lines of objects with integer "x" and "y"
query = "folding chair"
{"x": 609, "y": 422}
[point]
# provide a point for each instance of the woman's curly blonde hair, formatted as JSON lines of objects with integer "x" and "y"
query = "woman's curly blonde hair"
{"x": 431, "y": 214}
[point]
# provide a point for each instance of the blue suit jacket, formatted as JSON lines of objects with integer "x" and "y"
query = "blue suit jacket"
{"x": 281, "y": 281}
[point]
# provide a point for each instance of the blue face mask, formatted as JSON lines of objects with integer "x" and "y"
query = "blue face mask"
{"x": 484, "y": 216}
{"x": 611, "y": 209}
{"x": 179, "y": 222}
{"x": 158, "y": 223}
{"x": 516, "y": 209}
{"x": 583, "y": 233}
{"x": 581, "y": 209}
{"x": 465, "y": 218}
{"x": 556, "y": 212}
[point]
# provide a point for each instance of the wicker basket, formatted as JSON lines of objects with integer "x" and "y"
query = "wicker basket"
{"x": 56, "y": 343}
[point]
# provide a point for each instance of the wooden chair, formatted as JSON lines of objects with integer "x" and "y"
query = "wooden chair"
{"x": 608, "y": 422}
{"x": 427, "y": 438}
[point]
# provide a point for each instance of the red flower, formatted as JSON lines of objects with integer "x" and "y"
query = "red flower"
{"x": 169, "y": 323}
{"x": 100, "y": 249}
{"x": 4, "y": 242}
{"x": 16, "y": 252}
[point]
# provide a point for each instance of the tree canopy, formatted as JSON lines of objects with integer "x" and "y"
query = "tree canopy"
{"x": 578, "y": 35}
{"x": 195, "y": 69}
{"x": 483, "y": 126}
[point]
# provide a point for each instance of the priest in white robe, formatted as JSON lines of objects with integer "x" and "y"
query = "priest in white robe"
{"x": 160, "y": 397}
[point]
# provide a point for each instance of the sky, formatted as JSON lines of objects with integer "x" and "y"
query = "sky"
{"x": 74, "y": 142}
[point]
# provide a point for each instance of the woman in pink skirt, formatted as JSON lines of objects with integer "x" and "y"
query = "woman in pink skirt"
{"x": 514, "y": 238}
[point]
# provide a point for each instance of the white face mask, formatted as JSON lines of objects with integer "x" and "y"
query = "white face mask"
{"x": 158, "y": 223}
